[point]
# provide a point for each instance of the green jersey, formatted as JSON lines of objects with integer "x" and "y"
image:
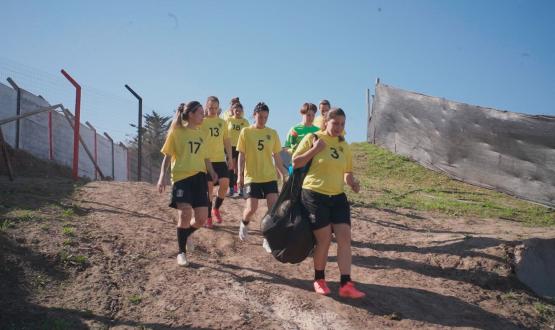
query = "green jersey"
{"x": 296, "y": 134}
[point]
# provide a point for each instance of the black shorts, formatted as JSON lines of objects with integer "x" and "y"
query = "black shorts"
{"x": 260, "y": 190}
{"x": 234, "y": 153}
{"x": 221, "y": 169}
{"x": 326, "y": 209}
{"x": 192, "y": 190}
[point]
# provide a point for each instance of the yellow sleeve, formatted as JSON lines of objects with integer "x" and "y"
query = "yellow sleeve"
{"x": 277, "y": 143}
{"x": 304, "y": 145}
{"x": 169, "y": 145}
{"x": 349, "y": 158}
{"x": 226, "y": 131}
{"x": 241, "y": 142}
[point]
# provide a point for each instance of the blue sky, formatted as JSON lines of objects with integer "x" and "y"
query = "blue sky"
{"x": 498, "y": 54}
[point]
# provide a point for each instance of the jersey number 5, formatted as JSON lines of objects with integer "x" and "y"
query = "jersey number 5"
{"x": 194, "y": 146}
{"x": 260, "y": 145}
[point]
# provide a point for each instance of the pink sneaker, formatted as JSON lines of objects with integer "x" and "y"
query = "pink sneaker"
{"x": 349, "y": 291}
{"x": 321, "y": 287}
{"x": 216, "y": 215}
{"x": 209, "y": 224}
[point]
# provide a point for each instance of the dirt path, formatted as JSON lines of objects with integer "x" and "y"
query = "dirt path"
{"x": 418, "y": 270}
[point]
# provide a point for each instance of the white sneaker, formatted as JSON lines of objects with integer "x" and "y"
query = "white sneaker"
{"x": 243, "y": 231}
{"x": 182, "y": 260}
{"x": 266, "y": 246}
{"x": 190, "y": 246}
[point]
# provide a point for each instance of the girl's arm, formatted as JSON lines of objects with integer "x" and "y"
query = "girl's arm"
{"x": 210, "y": 170}
{"x": 241, "y": 169}
{"x": 302, "y": 159}
{"x": 279, "y": 166}
{"x": 227, "y": 146}
{"x": 163, "y": 170}
{"x": 352, "y": 182}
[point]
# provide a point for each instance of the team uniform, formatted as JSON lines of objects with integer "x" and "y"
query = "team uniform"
{"x": 216, "y": 132}
{"x": 323, "y": 194}
{"x": 258, "y": 146}
{"x": 234, "y": 127}
{"x": 187, "y": 148}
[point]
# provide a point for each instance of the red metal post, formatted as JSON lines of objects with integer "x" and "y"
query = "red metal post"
{"x": 76, "y": 125}
{"x": 51, "y": 152}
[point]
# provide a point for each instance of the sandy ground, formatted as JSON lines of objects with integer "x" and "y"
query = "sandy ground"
{"x": 419, "y": 270}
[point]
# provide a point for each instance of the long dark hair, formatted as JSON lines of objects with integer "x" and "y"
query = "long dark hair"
{"x": 183, "y": 112}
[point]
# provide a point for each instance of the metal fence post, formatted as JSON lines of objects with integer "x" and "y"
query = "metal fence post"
{"x": 140, "y": 129}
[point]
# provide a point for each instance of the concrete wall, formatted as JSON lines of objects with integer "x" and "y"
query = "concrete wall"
{"x": 34, "y": 137}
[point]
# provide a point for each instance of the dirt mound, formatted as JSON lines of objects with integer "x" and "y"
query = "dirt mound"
{"x": 25, "y": 164}
{"x": 103, "y": 255}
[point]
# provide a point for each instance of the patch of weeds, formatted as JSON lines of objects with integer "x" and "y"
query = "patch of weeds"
{"x": 511, "y": 295}
{"x": 135, "y": 299}
{"x": 73, "y": 260}
{"x": 68, "y": 212}
{"x": 5, "y": 225}
{"x": 39, "y": 281}
{"x": 67, "y": 230}
{"x": 68, "y": 242}
{"x": 19, "y": 215}
{"x": 545, "y": 311}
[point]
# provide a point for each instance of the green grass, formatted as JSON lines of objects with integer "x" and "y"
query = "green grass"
{"x": 70, "y": 259}
{"x": 545, "y": 311}
{"x": 22, "y": 215}
{"x": 67, "y": 230}
{"x": 135, "y": 299}
{"x": 5, "y": 225}
{"x": 395, "y": 182}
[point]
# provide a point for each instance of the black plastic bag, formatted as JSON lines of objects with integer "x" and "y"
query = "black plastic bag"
{"x": 286, "y": 226}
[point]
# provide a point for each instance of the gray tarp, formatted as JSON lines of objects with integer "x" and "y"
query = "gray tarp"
{"x": 505, "y": 151}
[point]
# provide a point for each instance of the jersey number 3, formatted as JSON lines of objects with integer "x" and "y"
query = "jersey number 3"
{"x": 334, "y": 153}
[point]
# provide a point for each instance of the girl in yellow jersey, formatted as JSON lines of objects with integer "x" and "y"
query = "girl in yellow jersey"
{"x": 257, "y": 146}
{"x": 218, "y": 147}
{"x": 234, "y": 125}
{"x": 324, "y": 198}
{"x": 185, "y": 150}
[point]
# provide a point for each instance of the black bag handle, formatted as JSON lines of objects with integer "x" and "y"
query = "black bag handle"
{"x": 300, "y": 173}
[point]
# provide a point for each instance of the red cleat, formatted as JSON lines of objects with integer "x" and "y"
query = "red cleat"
{"x": 216, "y": 215}
{"x": 349, "y": 291}
{"x": 208, "y": 223}
{"x": 321, "y": 287}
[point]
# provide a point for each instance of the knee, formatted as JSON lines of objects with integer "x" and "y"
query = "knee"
{"x": 343, "y": 240}
{"x": 198, "y": 222}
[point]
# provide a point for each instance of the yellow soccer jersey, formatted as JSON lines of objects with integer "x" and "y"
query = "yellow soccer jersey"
{"x": 227, "y": 114}
{"x": 318, "y": 123}
{"x": 187, "y": 148}
{"x": 234, "y": 127}
{"x": 216, "y": 131}
{"x": 326, "y": 173}
{"x": 259, "y": 145}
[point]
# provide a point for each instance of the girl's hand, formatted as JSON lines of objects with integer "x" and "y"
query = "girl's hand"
{"x": 161, "y": 186}
{"x": 230, "y": 165}
{"x": 214, "y": 176}
{"x": 355, "y": 186}
{"x": 240, "y": 180}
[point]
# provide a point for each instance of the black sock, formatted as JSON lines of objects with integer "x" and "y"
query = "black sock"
{"x": 182, "y": 236}
{"x": 181, "y": 239}
{"x": 210, "y": 210}
{"x": 245, "y": 222}
{"x": 344, "y": 279}
{"x": 319, "y": 275}
{"x": 218, "y": 202}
